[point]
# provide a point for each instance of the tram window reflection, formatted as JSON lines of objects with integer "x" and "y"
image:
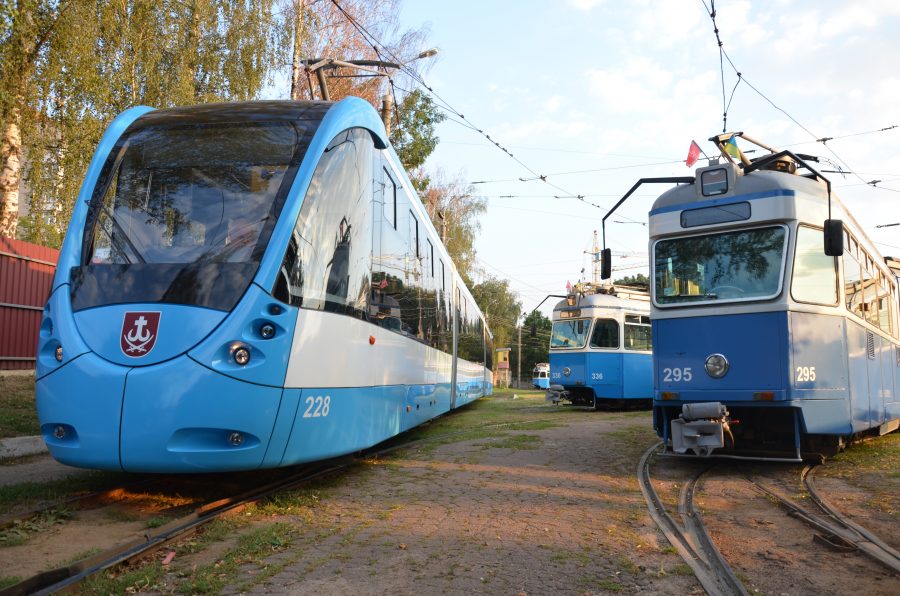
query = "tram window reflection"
{"x": 814, "y": 273}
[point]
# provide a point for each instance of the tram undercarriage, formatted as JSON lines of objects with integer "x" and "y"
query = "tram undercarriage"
{"x": 712, "y": 429}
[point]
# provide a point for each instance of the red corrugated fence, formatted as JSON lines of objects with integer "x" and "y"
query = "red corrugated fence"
{"x": 26, "y": 277}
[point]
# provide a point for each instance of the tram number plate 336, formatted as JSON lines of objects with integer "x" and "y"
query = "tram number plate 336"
{"x": 677, "y": 375}
{"x": 317, "y": 406}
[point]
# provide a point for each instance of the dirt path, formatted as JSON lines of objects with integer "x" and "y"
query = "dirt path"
{"x": 554, "y": 511}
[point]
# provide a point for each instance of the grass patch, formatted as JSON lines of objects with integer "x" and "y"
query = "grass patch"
{"x": 85, "y": 554}
{"x": 515, "y": 442}
{"x": 9, "y": 580}
{"x": 878, "y": 455}
{"x": 251, "y": 548}
{"x": 22, "y": 530}
{"x": 18, "y": 416}
{"x": 682, "y": 569}
{"x": 145, "y": 579}
{"x": 595, "y": 583}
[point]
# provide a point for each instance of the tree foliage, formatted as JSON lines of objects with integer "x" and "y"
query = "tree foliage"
{"x": 413, "y": 135}
{"x": 535, "y": 348}
{"x": 454, "y": 209}
{"x": 638, "y": 281}
{"x": 501, "y": 308}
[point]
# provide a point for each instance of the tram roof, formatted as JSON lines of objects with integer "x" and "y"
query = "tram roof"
{"x": 604, "y": 301}
{"x": 216, "y": 113}
{"x": 760, "y": 181}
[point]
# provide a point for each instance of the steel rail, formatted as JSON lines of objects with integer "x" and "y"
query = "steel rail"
{"x": 65, "y": 578}
{"x": 693, "y": 523}
{"x": 836, "y": 527}
{"x": 706, "y": 569}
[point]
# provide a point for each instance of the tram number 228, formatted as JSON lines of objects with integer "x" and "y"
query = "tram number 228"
{"x": 317, "y": 406}
{"x": 677, "y": 375}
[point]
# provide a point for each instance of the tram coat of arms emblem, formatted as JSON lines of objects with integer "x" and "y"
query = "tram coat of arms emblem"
{"x": 139, "y": 332}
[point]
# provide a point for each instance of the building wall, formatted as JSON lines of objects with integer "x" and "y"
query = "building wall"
{"x": 26, "y": 277}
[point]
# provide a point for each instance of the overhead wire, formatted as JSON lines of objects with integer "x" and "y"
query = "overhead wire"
{"x": 711, "y": 12}
{"x": 380, "y": 49}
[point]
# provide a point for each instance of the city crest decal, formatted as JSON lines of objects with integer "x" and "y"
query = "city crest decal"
{"x": 139, "y": 332}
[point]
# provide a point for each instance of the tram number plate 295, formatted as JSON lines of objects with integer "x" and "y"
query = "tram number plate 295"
{"x": 317, "y": 406}
{"x": 806, "y": 374}
{"x": 677, "y": 375}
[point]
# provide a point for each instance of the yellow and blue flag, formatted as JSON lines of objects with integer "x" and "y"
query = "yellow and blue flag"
{"x": 731, "y": 148}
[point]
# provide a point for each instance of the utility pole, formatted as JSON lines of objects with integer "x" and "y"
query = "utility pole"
{"x": 387, "y": 106}
{"x": 519, "y": 367}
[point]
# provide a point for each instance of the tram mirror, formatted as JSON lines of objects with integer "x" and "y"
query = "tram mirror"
{"x": 580, "y": 327}
{"x": 605, "y": 263}
{"x": 834, "y": 237}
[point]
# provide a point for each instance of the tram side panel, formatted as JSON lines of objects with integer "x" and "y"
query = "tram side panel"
{"x": 637, "y": 375}
{"x": 818, "y": 371}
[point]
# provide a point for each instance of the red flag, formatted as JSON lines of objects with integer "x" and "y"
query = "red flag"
{"x": 569, "y": 286}
{"x": 693, "y": 154}
{"x": 383, "y": 284}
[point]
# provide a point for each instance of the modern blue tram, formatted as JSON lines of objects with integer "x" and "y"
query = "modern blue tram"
{"x": 600, "y": 347}
{"x": 246, "y": 286}
{"x": 764, "y": 345}
{"x": 540, "y": 376}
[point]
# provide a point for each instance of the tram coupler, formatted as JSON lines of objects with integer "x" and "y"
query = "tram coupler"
{"x": 700, "y": 429}
{"x": 557, "y": 393}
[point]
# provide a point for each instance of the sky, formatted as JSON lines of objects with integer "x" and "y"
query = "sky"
{"x": 596, "y": 94}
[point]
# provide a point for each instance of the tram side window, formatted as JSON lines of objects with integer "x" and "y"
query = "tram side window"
{"x": 853, "y": 296}
{"x": 390, "y": 198}
{"x": 638, "y": 333}
{"x": 869, "y": 288}
{"x": 606, "y": 334}
{"x": 884, "y": 305}
{"x": 327, "y": 265}
{"x": 815, "y": 274}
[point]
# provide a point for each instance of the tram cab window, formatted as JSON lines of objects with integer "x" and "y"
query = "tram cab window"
{"x": 571, "y": 333}
{"x": 738, "y": 265}
{"x": 815, "y": 274}
{"x": 606, "y": 334}
{"x": 638, "y": 333}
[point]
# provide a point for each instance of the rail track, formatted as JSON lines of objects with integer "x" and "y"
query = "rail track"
{"x": 69, "y": 577}
{"x": 835, "y": 529}
{"x": 689, "y": 538}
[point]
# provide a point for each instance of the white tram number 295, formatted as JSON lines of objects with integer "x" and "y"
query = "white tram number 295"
{"x": 317, "y": 406}
{"x": 677, "y": 375}
{"x": 806, "y": 374}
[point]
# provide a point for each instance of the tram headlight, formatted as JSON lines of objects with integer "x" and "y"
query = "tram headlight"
{"x": 58, "y": 354}
{"x": 267, "y": 331}
{"x": 716, "y": 365}
{"x": 241, "y": 354}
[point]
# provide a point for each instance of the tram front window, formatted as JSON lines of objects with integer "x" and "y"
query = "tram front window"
{"x": 184, "y": 212}
{"x": 719, "y": 267}
{"x": 569, "y": 334}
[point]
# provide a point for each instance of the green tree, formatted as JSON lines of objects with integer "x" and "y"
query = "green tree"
{"x": 535, "y": 348}
{"x": 27, "y": 29}
{"x": 500, "y": 306}
{"x": 100, "y": 58}
{"x": 413, "y": 134}
{"x": 454, "y": 210}
{"x": 638, "y": 281}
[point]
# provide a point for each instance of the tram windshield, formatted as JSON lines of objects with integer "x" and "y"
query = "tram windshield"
{"x": 728, "y": 266}
{"x": 183, "y": 212}
{"x": 571, "y": 333}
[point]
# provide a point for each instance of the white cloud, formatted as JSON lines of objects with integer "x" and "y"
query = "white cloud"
{"x": 585, "y": 5}
{"x": 553, "y": 104}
